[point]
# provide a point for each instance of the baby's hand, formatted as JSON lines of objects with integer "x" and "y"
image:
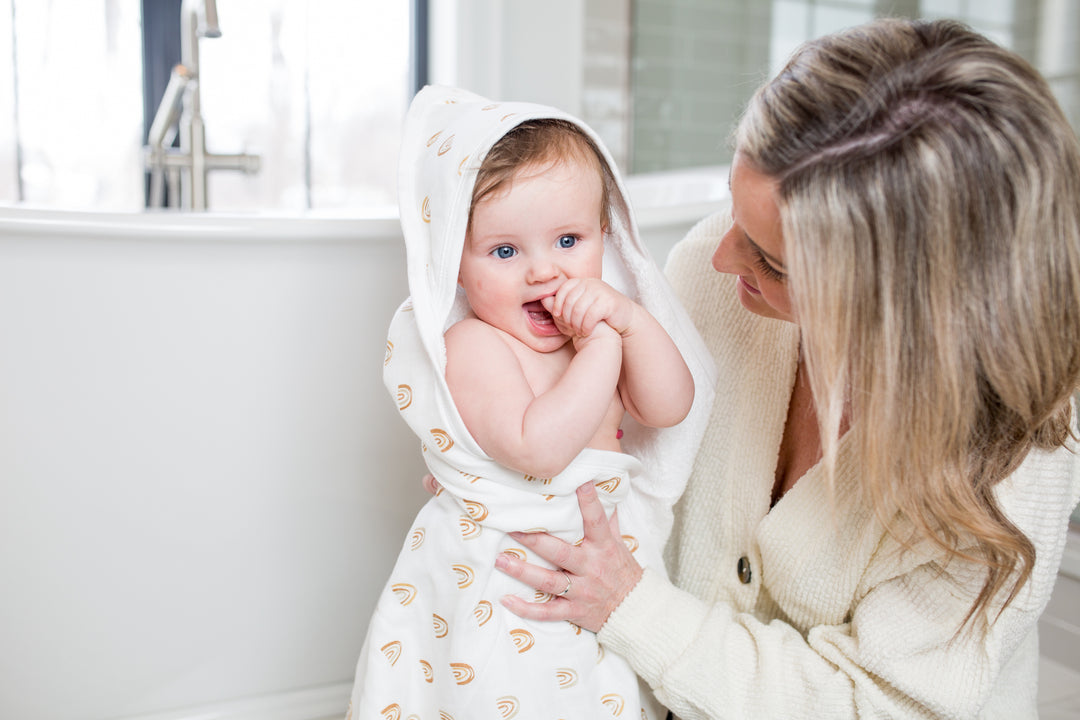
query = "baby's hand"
{"x": 581, "y": 304}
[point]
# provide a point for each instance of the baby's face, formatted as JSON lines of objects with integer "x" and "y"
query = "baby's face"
{"x": 528, "y": 239}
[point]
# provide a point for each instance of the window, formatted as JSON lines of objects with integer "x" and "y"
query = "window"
{"x": 70, "y": 78}
{"x": 317, "y": 90}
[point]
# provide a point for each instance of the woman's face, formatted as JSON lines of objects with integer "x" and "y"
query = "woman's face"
{"x": 753, "y": 247}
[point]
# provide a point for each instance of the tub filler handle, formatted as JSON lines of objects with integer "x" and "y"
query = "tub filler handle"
{"x": 185, "y": 170}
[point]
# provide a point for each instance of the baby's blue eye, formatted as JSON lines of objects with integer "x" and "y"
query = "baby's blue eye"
{"x": 504, "y": 251}
{"x": 567, "y": 241}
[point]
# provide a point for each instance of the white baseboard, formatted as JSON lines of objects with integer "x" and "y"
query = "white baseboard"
{"x": 319, "y": 703}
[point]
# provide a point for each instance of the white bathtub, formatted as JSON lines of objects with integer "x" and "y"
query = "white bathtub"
{"x": 203, "y": 483}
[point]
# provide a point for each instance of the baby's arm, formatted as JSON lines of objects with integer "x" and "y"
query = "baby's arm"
{"x": 657, "y": 388}
{"x": 536, "y": 434}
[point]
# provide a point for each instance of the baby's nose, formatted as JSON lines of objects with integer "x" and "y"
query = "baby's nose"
{"x": 543, "y": 270}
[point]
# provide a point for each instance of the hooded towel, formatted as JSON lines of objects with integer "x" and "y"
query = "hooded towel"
{"x": 440, "y": 645}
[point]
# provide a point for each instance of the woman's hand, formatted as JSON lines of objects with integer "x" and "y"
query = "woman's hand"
{"x": 594, "y": 578}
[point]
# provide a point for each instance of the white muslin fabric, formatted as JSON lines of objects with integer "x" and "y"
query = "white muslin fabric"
{"x": 440, "y": 646}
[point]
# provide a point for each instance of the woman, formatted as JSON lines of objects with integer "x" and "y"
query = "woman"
{"x": 879, "y": 507}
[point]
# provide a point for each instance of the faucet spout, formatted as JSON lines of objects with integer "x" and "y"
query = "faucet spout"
{"x": 199, "y": 18}
{"x": 210, "y": 26}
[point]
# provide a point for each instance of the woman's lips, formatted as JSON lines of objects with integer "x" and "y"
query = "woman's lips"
{"x": 748, "y": 286}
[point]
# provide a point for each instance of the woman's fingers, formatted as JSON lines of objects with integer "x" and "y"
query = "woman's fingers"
{"x": 557, "y": 609}
{"x": 555, "y": 551}
{"x": 589, "y": 580}
{"x": 562, "y": 554}
{"x": 593, "y": 517}
{"x": 552, "y": 582}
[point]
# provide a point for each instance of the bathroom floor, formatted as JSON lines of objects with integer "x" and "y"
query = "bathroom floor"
{"x": 1059, "y": 650}
{"x": 1059, "y": 691}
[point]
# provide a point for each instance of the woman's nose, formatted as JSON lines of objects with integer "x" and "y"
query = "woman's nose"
{"x": 725, "y": 257}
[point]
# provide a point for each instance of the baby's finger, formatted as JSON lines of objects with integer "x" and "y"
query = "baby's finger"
{"x": 431, "y": 484}
{"x": 558, "y": 300}
{"x": 579, "y": 309}
{"x": 549, "y": 304}
{"x": 595, "y": 314}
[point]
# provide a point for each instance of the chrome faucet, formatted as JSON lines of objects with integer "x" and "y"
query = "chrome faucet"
{"x": 185, "y": 170}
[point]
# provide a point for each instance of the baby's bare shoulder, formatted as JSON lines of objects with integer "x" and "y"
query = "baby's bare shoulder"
{"x": 473, "y": 337}
{"x": 468, "y": 331}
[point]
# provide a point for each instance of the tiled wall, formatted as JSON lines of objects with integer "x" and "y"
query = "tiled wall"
{"x": 696, "y": 63}
{"x": 606, "y": 90}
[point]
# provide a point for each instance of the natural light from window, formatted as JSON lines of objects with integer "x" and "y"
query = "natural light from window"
{"x": 316, "y": 89}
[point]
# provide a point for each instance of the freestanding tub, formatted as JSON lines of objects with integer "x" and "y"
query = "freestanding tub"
{"x": 203, "y": 483}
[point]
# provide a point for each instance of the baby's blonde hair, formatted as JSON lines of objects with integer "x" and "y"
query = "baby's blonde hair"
{"x": 537, "y": 144}
{"x": 929, "y": 193}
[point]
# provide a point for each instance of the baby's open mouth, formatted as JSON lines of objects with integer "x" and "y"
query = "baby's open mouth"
{"x": 537, "y": 313}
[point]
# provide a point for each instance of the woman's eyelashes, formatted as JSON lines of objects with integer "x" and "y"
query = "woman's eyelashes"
{"x": 766, "y": 269}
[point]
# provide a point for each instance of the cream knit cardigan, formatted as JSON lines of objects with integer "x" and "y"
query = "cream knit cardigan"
{"x": 835, "y": 621}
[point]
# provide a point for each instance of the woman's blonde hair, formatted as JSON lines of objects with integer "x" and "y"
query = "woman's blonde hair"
{"x": 929, "y": 193}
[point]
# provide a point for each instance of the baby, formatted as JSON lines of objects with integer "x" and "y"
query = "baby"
{"x": 531, "y": 270}
{"x": 538, "y": 362}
